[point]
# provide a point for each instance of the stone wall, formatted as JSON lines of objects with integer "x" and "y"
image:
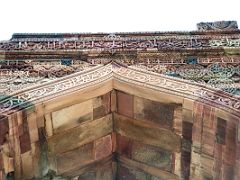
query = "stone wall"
{"x": 106, "y": 134}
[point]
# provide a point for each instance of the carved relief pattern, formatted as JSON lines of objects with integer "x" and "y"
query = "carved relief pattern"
{"x": 130, "y": 75}
{"x": 149, "y": 59}
{"x": 112, "y": 43}
{"x": 81, "y": 79}
{"x": 180, "y": 87}
{"x": 15, "y": 76}
{"x": 218, "y": 75}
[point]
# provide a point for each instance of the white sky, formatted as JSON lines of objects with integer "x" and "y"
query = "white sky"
{"x": 59, "y": 16}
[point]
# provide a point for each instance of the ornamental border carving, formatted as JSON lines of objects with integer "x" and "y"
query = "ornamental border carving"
{"x": 130, "y": 75}
{"x": 112, "y": 43}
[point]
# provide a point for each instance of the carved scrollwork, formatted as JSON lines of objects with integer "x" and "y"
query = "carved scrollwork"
{"x": 31, "y": 73}
{"x": 224, "y": 84}
{"x": 220, "y": 70}
{"x": 218, "y": 75}
{"x": 133, "y": 75}
{"x": 191, "y": 71}
{"x": 113, "y": 43}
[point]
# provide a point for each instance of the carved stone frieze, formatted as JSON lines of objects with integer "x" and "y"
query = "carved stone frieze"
{"x": 180, "y": 87}
{"x": 58, "y": 86}
{"x": 113, "y": 44}
{"x": 15, "y": 75}
{"x": 112, "y": 91}
{"x": 130, "y": 75}
{"x": 220, "y": 75}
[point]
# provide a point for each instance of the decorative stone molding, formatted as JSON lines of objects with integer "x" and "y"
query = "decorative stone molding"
{"x": 139, "y": 77}
{"x": 114, "y": 42}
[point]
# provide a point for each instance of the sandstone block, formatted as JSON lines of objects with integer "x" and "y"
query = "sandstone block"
{"x": 75, "y": 158}
{"x": 124, "y": 104}
{"x": 101, "y": 106}
{"x": 103, "y": 147}
{"x": 80, "y": 135}
{"x": 154, "y": 111}
{"x": 72, "y": 116}
{"x": 25, "y": 142}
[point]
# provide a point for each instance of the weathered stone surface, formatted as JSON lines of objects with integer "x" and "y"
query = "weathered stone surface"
{"x": 48, "y": 124}
{"x": 101, "y": 105}
{"x": 187, "y": 115}
{"x": 197, "y": 124}
{"x": 125, "y": 173}
{"x": 237, "y": 170}
{"x": 6, "y": 161}
{"x": 228, "y": 172}
{"x": 231, "y": 146}
{"x": 208, "y": 142}
{"x": 105, "y": 172}
{"x": 113, "y": 100}
{"x": 147, "y": 93}
{"x": 72, "y": 116}
{"x": 80, "y": 135}
{"x": 187, "y": 130}
{"x": 13, "y": 125}
{"x": 188, "y": 104}
{"x": 38, "y": 113}
{"x": 217, "y": 168}
{"x": 152, "y": 155}
{"x": 154, "y": 111}
{"x": 114, "y": 142}
{"x": 20, "y": 130}
{"x": 176, "y": 164}
{"x": 178, "y": 119}
{"x": 208, "y": 130}
{"x": 1, "y": 162}
{"x": 4, "y": 128}
{"x": 199, "y": 133}
{"x": 77, "y": 97}
{"x": 238, "y": 132}
{"x": 221, "y": 131}
{"x": 136, "y": 170}
{"x": 209, "y": 116}
{"x": 32, "y": 121}
{"x": 99, "y": 173}
{"x": 207, "y": 164}
{"x": 185, "y": 164}
{"x": 35, "y": 152}
{"x": 75, "y": 158}
{"x": 25, "y": 142}
{"x": 124, "y": 146}
{"x": 147, "y": 134}
{"x": 124, "y": 104}
{"x": 88, "y": 176}
{"x": 97, "y": 167}
{"x": 27, "y": 165}
{"x": 103, "y": 147}
{"x": 33, "y": 135}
